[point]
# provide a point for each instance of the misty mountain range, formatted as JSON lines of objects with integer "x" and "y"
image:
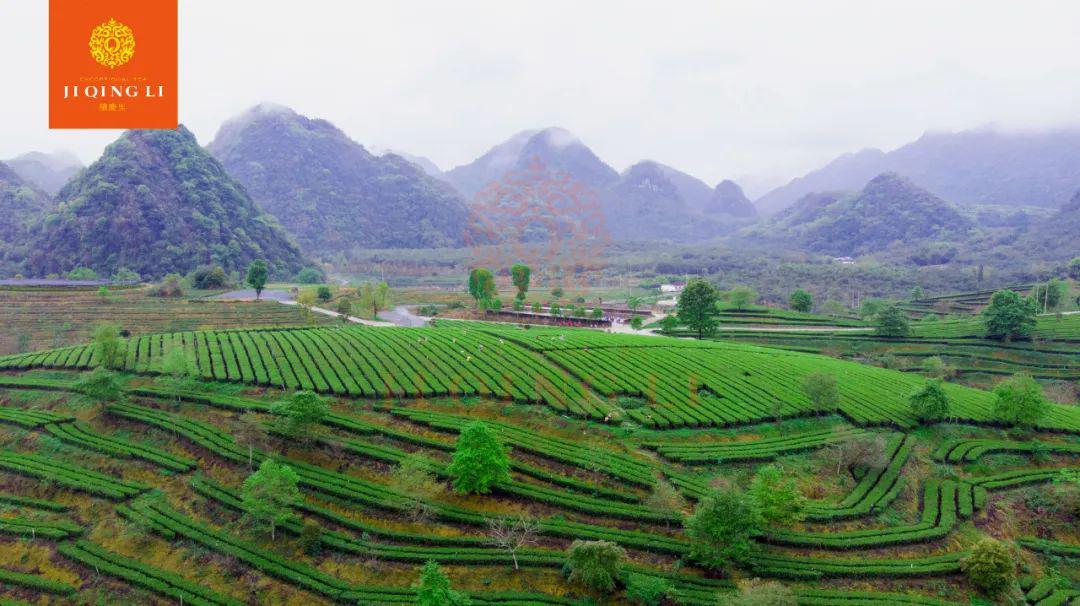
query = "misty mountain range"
{"x": 975, "y": 167}
{"x": 330, "y": 194}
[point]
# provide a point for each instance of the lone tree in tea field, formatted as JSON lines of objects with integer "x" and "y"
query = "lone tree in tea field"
{"x": 257, "y": 275}
{"x": 891, "y": 321}
{"x": 300, "y": 413}
{"x": 1009, "y": 315}
{"x": 344, "y": 308}
{"x": 250, "y": 434}
{"x": 519, "y": 276}
{"x": 596, "y": 565}
{"x": 801, "y": 301}
{"x": 480, "y": 460}
{"x": 433, "y": 588}
{"x": 269, "y": 494}
{"x": 821, "y": 389}
{"x": 1020, "y": 401}
{"x": 375, "y": 297}
{"x": 864, "y": 450}
{"x": 697, "y": 308}
{"x": 481, "y": 286}
{"x": 930, "y": 403}
{"x": 382, "y": 297}
{"x": 721, "y": 528}
{"x": 414, "y": 479}
{"x": 108, "y": 346}
{"x": 512, "y": 533}
{"x": 742, "y": 296}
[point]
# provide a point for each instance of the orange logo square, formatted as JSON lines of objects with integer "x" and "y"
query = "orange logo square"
{"x": 112, "y": 64}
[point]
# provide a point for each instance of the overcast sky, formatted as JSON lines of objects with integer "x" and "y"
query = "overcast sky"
{"x": 754, "y": 90}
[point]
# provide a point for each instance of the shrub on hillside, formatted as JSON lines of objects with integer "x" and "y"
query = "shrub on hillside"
{"x": 801, "y": 301}
{"x": 101, "y": 386}
{"x": 309, "y": 275}
{"x": 169, "y": 287}
{"x": 123, "y": 274}
{"x": 990, "y": 567}
{"x": 930, "y": 403}
{"x": 721, "y": 527}
{"x": 208, "y": 277}
{"x": 891, "y": 321}
{"x": 757, "y": 592}
{"x": 776, "y": 496}
{"x": 1020, "y": 401}
{"x": 108, "y": 346}
{"x": 645, "y": 590}
{"x": 935, "y": 368}
{"x": 820, "y": 388}
{"x": 82, "y": 273}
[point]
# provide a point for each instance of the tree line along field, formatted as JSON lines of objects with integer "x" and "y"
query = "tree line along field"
{"x": 1052, "y": 353}
{"x": 41, "y": 318}
{"x": 662, "y": 382}
{"x": 140, "y": 499}
{"x": 770, "y": 316}
{"x": 957, "y": 303}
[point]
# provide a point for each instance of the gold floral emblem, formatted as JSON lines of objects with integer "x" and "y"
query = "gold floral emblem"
{"x": 112, "y": 44}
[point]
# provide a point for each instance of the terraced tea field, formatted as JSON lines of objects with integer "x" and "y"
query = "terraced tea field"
{"x": 140, "y": 500}
{"x": 680, "y": 382}
{"x": 771, "y": 316}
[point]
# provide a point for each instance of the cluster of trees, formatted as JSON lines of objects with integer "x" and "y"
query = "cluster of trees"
{"x": 481, "y": 287}
{"x": 722, "y": 527}
{"x": 697, "y": 309}
{"x": 209, "y": 277}
{"x": 1018, "y": 401}
{"x": 122, "y": 274}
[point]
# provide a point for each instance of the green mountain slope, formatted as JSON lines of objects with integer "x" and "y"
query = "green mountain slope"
{"x": 889, "y": 210}
{"x": 156, "y": 202}
{"x": 330, "y": 192}
{"x": 20, "y": 205}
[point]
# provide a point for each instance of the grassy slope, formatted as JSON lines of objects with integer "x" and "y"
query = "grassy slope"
{"x": 40, "y": 318}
